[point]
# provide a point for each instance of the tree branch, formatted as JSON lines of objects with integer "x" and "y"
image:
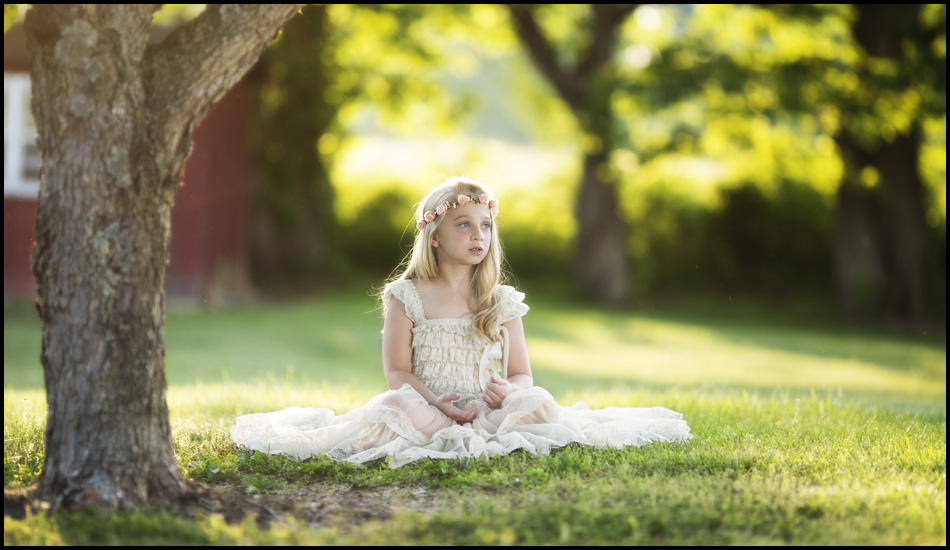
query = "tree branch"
{"x": 607, "y": 21}
{"x": 545, "y": 58}
{"x": 198, "y": 62}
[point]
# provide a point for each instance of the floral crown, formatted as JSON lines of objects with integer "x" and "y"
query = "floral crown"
{"x": 460, "y": 200}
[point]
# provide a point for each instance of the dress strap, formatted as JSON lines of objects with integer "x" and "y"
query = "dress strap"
{"x": 504, "y": 351}
{"x": 495, "y": 350}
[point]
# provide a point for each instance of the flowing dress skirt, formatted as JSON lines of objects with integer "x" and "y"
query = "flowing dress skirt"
{"x": 400, "y": 424}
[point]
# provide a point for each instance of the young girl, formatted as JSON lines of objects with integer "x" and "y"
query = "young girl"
{"x": 450, "y": 328}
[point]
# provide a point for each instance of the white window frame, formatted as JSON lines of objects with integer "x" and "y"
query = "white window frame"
{"x": 20, "y": 158}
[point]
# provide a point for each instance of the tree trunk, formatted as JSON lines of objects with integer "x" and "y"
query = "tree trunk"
{"x": 903, "y": 220}
{"x": 114, "y": 117}
{"x": 887, "y": 273}
{"x": 859, "y": 267}
{"x": 600, "y": 259}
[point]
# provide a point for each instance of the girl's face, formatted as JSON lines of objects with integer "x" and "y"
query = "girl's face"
{"x": 464, "y": 237}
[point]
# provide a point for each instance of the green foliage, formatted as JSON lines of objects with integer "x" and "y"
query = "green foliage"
{"x": 764, "y": 95}
{"x": 295, "y": 127}
{"x": 10, "y": 14}
{"x": 170, "y": 15}
{"x": 379, "y": 236}
{"x": 690, "y": 227}
{"x": 328, "y": 64}
{"x": 376, "y": 202}
{"x": 537, "y": 230}
{"x": 704, "y": 119}
{"x": 711, "y": 101}
{"x": 783, "y": 244}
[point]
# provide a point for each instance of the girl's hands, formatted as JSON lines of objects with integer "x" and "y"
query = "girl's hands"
{"x": 496, "y": 392}
{"x": 445, "y": 404}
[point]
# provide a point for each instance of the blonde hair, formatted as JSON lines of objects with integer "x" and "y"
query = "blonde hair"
{"x": 423, "y": 263}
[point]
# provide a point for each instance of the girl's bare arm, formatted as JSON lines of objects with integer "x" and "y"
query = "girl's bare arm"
{"x": 519, "y": 367}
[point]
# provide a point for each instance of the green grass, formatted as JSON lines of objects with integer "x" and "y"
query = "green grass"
{"x": 805, "y": 433}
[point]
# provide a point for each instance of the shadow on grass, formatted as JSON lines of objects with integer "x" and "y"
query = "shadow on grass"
{"x": 335, "y": 340}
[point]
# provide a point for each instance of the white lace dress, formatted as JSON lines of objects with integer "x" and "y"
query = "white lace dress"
{"x": 447, "y": 356}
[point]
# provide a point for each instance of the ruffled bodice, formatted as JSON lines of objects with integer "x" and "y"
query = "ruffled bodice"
{"x": 447, "y": 355}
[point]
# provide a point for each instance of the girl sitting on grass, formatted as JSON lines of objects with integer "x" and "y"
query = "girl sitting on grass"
{"x": 450, "y": 327}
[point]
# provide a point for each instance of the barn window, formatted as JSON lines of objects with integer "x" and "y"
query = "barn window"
{"x": 21, "y": 159}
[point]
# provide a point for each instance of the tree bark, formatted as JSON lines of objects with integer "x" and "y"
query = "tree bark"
{"x": 904, "y": 221}
{"x": 600, "y": 260}
{"x": 860, "y": 275}
{"x": 115, "y": 117}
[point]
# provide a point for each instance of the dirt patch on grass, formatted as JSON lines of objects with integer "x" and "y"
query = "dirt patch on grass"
{"x": 318, "y": 505}
{"x": 342, "y": 507}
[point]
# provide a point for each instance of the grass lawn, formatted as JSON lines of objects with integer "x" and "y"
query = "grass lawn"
{"x": 805, "y": 433}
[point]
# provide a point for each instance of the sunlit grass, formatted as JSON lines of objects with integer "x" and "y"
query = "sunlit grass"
{"x": 663, "y": 352}
{"x": 763, "y": 469}
{"x": 335, "y": 342}
{"x": 803, "y": 434}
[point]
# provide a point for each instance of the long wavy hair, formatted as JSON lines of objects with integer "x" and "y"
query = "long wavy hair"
{"x": 423, "y": 263}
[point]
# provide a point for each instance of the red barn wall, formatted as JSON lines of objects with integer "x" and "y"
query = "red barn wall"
{"x": 18, "y": 220}
{"x": 210, "y": 217}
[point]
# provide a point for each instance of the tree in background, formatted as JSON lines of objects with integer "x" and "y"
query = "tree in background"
{"x": 881, "y": 234}
{"x": 757, "y": 91}
{"x": 115, "y": 116}
{"x": 295, "y": 229}
{"x": 731, "y": 77}
{"x": 329, "y": 63}
{"x": 583, "y": 74}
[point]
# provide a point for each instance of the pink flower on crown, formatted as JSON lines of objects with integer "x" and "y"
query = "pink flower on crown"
{"x": 483, "y": 199}
{"x": 441, "y": 209}
{"x": 493, "y": 203}
{"x": 494, "y": 212}
{"x": 421, "y": 225}
{"x": 429, "y": 215}
{"x": 462, "y": 200}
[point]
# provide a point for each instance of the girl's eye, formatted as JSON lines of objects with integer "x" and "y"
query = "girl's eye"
{"x": 463, "y": 224}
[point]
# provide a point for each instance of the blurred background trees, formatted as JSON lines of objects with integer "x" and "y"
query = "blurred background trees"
{"x": 582, "y": 71}
{"x": 818, "y": 105}
{"x": 328, "y": 60}
{"x": 787, "y": 153}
